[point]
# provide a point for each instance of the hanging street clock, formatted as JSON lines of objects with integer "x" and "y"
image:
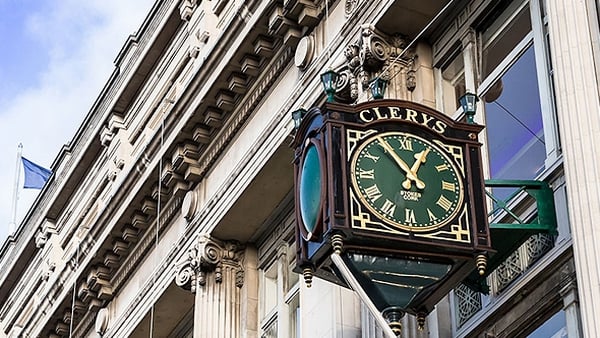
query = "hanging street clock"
{"x": 398, "y": 188}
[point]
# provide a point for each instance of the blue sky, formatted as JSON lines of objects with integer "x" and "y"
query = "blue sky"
{"x": 55, "y": 56}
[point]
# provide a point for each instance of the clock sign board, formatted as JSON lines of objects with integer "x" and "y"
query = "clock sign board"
{"x": 392, "y": 179}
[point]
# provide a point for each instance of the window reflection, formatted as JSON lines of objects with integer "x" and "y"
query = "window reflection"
{"x": 514, "y": 122}
{"x": 555, "y": 327}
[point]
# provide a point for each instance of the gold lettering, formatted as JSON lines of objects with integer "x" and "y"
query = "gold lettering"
{"x": 411, "y": 115}
{"x": 371, "y": 157}
{"x": 373, "y": 192}
{"x": 379, "y": 115}
{"x": 439, "y": 127}
{"x": 388, "y": 207}
{"x": 432, "y": 217}
{"x": 409, "y": 216}
{"x": 405, "y": 144}
{"x": 444, "y": 203}
{"x": 447, "y": 186}
{"x": 426, "y": 119}
{"x": 369, "y": 174}
{"x": 366, "y": 115}
{"x": 441, "y": 167}
{"x": 394, "y": 112}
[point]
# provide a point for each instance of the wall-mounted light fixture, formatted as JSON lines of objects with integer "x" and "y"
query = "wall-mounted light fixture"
{"x": 468, "y": 102}
{"x": 329, "y": 80}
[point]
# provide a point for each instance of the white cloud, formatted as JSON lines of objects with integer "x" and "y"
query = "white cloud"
{"x": 82, "y": 39}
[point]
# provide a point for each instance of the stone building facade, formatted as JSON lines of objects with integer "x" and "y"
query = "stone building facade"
{"x": 170, "y": 213}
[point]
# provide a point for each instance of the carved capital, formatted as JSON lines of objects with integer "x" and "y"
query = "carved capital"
{"x": 374, "y": 55}
{"x": 209, "y": 256}
{"x": 568, "y": 284}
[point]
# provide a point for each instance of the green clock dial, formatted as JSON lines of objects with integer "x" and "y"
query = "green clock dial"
{"x": 407, "y": 181}
{"x": 310, "y": 190}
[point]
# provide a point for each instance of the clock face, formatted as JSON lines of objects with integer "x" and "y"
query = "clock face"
{"x": 407, "y": 181}
{"x": 310, "y": 190}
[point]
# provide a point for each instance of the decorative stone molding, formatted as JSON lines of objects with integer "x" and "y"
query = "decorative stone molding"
{"x": 350, "y": 6}
{"x": 189, "y": 205}
{"x": 373, "y": 55}
{"x": 101, "y": 323}
{"x": 186, "y": 9}
{"x": 209, "y": 256}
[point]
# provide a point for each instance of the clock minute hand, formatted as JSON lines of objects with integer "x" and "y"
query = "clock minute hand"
{"x": 420, "y": 158}
{"x": 410, "y": 175}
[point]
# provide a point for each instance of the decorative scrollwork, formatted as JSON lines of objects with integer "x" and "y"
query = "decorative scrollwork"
{"x": 209, "y": 255}
{"x": 186, "y": 278}
{"x": 372, "y": 56}
{"x": 350, "y": 6}
{"x": 468, "y": 303}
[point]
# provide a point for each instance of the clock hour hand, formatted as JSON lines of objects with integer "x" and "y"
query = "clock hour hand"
{"x": 420, "y": 158}
{"x": 410, "y": 175}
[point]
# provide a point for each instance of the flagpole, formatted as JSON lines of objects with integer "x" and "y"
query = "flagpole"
{"x": 13, "y": 223}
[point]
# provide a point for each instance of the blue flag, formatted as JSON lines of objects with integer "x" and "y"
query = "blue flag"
{"x": 35, "y": 175}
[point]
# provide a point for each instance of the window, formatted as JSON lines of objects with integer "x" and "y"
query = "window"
{"x": 555, "y": 327}
{"x": 452, "y": 83}
{"x": 279, "y": 296}
{"x": 517, "y": 94}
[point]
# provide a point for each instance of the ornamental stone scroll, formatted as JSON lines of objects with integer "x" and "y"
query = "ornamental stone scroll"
{"x": 207, "y": 259}
{"x": 375, "y": 54}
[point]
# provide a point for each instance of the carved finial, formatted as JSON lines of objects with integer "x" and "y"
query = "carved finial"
{"x": 337, "y": 242}
{"x": 308, "y": 276}
{"x": 393, "y": 316}
{"x": 421, "y": 316}
{"x": 481, "y": 262}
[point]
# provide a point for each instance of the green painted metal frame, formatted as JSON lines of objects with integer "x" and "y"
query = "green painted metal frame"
{"x": 508, "y": 237}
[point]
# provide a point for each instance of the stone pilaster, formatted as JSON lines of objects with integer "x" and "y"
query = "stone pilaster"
{"x": 573, "y": 33}
{"x": 214, "y": 271}
{"x": 568, "y": 292}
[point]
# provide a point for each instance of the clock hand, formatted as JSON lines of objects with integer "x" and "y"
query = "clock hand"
{"x": 420, "y": 158}
{"x": 410, "y": 175}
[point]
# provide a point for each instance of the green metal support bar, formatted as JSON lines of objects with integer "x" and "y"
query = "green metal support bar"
{"x": 508, "y": 236}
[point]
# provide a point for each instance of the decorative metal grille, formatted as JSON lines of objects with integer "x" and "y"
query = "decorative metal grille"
{"x": 509, "y": 270}
{"x": 468, "y": 303}
{"x": 537, "y": 246}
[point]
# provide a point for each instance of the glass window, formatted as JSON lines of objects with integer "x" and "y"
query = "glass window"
{"x": 514, "y": 120}
{"x": 516, "y": 94}
{"x": 503, "y": 36}
{"x": 280, "y": 296}
{"x": 555, "y": 327}
{"x": 453, "y": 83}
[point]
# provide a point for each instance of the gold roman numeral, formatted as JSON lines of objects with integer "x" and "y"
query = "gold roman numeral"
{"x": 444, "y": 203}
{"x": 371, "y": 157}
{"x": 373, "y": 192}
{"x": 409, "y": 216}
{"x": 432, "y": 217}
{"x": 405, "y": 144}
{"x": 388, "y": 207}
{"x": 448, "y": 186}
{"x": 368, "y": 174}
{"x": 442, "y": 167}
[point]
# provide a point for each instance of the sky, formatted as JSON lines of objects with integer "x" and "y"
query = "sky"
{"x": 55, "y": 57}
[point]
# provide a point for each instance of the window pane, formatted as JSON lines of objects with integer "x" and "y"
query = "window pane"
{"x": 503, "y": 36}
{"x": 453, "y": 83}
{"x": 514, "y": 122}
{"x": 555, "y": 327}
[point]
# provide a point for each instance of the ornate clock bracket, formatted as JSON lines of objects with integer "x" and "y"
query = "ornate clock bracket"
{"x": 375, "y": 54}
